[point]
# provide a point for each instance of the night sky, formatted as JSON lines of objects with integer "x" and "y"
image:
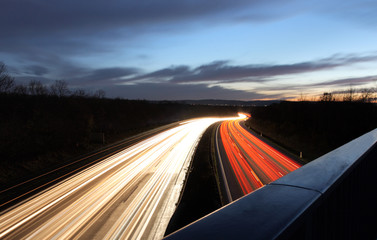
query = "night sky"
{"x": 193, "y": 49}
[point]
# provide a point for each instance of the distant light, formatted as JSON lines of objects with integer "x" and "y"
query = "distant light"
{"x": 243, "y": 115}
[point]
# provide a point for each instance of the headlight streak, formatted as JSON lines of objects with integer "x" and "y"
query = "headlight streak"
{"x": 253, "y": 162}
{"x": 124, "y": 196}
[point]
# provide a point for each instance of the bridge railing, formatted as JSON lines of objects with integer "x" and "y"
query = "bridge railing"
{"x": 332, "y": 197}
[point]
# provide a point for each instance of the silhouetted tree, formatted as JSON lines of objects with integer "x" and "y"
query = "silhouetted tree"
{"x": 37, "y": 88}
{"x": 20, "y": 90}
{"x": 80, "y": 93}
{"x": 327, "y": 97}
{"x": 302, "y": 97}
{"x": 6, "y": 81}
{"x": 59, "y": 88}
{"x": 366, "y": 95}
{"x": 349, "y": 95}
{"x": 99, "y": 94}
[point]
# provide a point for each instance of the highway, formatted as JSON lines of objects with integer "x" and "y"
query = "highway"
{"x": 10, "y": 195}
{"x": 129, "y": 195}
{"x": 246, "y": 162}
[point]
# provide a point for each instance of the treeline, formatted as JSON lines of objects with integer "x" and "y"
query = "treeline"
{"x": 44, "y": 126}
{"x": 59, "y": 88}
{"x": 314, "y": 128}
{"x": 365, "y": 95}
{"x": 351, "y": 95}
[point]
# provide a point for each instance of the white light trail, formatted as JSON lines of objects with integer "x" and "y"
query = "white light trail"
{"x": 130, "y": 195}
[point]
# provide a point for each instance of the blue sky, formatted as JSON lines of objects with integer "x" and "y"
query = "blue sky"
{"x": 191, "y": 49}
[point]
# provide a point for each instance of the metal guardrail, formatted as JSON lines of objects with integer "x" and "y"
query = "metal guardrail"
{"x": 332, "y": 197}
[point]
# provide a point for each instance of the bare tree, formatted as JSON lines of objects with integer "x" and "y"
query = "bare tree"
{"x": 59, "y": 88}
{"x": 302, "y": 98}
{"x": 366, "y": 95}
{"x": 37, "y": 88}
{"x": 6, "y": 81}
{"x": 327, "y": 97}
{"x": 20, "y": 89}
{"x": 99, "y": 94}
{"x": 314, "y": 98}
{"x": 349, "y": 95}
{"x": 80, "y": 93}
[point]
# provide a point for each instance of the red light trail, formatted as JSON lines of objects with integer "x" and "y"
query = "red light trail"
{"x": 254, "y": 162}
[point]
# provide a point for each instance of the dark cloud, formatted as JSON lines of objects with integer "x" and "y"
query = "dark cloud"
{"x": 104, "y": 76}
{"x": 74, "y": 75}
{"x": 170, "y": 91}
{"x": 163, "y": 74}
{"x": 71, "y": 27}
{"x": 36, "y": 70}
{"x": 25, "y": 80}
{"x": 47, "y": 66}
{"x": 70, "y": 15}
{"x": 333, "y": 84}
{"x": 48, "y": 35}
{"x": 347, "y": 82}
{"x": 69, "y": 23}
{"x": 221, "y": 71}
{"x": 55, "y": 17}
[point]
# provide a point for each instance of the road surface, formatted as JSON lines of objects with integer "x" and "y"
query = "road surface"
{"x": 130, "y": 195}
{"x": 246, "y": 162}
{"x": 18, "y": 191}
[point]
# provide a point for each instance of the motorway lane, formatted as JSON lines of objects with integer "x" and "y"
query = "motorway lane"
{"x": 248, "y": 163}
{"x": 10, "y": 195}
{"x": 130, "y": 195}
